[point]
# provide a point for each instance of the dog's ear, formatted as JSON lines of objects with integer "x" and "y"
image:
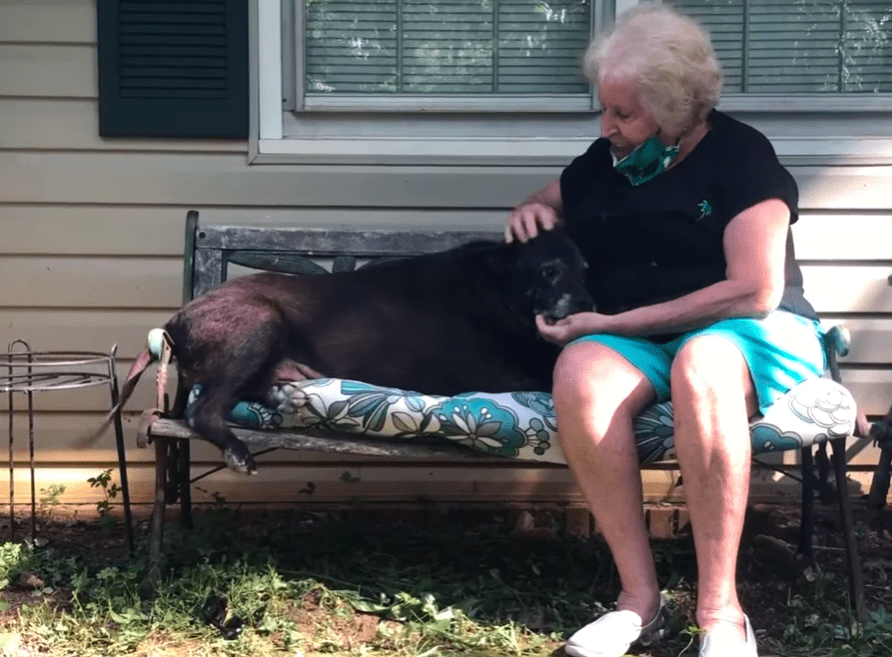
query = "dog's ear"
{"x": 505, "y": 271}
{"x": 500, "y": 260}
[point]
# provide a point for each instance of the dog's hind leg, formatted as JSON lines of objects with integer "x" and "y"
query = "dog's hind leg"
{"x": 241, "y": 369}
{"x": 207, "y": 417}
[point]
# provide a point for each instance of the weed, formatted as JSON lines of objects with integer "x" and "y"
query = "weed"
{"x": 110, "y": 491}
{"x": 14, "y": 559}
{"x": 820, "y": 621}
{"x": 692, "y": 632}
{"x": 216, "y": 496}
{"x": 50, "y": 498}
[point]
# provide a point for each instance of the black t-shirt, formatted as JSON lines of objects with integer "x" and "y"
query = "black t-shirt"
{"x": 663, "y": 239}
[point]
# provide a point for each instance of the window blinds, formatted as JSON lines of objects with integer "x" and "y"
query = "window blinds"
{"x": 800, "y": 46}
{"x": 452, "y": 47}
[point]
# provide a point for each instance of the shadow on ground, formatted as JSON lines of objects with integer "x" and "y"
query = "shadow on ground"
{"x": 452, "y": 581}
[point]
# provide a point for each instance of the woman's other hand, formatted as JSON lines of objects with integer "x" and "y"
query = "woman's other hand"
{"x": 542, "y": 211}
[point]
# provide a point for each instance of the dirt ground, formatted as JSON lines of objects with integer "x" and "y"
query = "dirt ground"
{"x": 769, "y": 562}
{"x": 769, "y": 567}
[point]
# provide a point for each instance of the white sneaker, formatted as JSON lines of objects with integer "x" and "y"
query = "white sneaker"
{"x": 615, "y": 632}
{"x": 720, "y": 642}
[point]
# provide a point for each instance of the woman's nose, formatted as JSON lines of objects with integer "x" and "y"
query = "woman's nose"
{"x": 608, "y": 126}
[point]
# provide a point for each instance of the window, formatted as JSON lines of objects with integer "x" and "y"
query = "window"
{"x": 382, "y": 55}
{"x": 797, "y": 48}
{"x": 497, "y": 82}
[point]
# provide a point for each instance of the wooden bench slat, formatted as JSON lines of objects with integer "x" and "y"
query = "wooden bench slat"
{"x": 326, "y": 242}
{"x": 323, "y": 441}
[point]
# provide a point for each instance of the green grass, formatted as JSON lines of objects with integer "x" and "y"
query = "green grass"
{"x": 353, "y": 584}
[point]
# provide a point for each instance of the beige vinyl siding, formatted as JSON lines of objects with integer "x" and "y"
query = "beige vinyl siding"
{"x": 48, "y": 70}
{"x": 71, "y": 229}
{"x": 49, "y": 21}
{"x": 91, "y": 238}
{"x": 70, "y": 124}
{"x": 214, "y": 179}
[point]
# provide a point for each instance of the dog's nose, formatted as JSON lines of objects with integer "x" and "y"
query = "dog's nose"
{"x": 562, "y": 306}
{"x": 568, "y": 303}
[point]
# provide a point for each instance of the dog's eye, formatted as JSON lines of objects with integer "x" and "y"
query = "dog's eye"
{"x": 549, "y": 272}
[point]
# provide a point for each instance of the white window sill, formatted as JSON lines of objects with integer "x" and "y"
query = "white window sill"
{"x": 479, "y": 152}
{"x": 786, "y": 103}
{"x": 822, "y": 151}
{"x": 834, "y": 151}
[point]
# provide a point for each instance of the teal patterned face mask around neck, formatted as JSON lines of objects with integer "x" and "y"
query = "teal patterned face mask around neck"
{"x": 647, "y": 161}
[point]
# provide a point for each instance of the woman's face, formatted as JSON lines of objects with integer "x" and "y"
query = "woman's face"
{"x": 624, "y": 121}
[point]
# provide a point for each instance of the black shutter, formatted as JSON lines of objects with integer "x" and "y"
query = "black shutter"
{"x": 172, "y": 68}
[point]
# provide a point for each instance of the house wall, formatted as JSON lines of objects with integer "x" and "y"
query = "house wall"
{"x": 91, "y": 239}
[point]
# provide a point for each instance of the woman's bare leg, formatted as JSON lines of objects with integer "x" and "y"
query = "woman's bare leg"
{"x": 597, "y": 393}
{"x": 713, "y": 397}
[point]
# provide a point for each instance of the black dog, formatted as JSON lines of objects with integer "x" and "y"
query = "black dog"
{"x": 456, "y": 321}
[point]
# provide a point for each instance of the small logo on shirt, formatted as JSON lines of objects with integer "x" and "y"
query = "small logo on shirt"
{"x": 705, "y": 209}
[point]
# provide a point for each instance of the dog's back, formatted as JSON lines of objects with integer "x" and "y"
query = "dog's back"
{"x": 439, "y": 323}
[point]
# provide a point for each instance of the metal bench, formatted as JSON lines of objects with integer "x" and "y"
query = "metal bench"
{"x": 211, "y": 251}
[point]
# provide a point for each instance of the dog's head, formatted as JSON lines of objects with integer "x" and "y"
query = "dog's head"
{"x": 550, "y": 271}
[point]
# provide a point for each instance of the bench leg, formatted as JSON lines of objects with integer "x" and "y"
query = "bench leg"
{"x": 122, "y": 466}
{"x": 856, "y": 580}
{"x": 807, "y": 521}
{"x": 879, "y": 486}
{"x": 184, "y": 471}
{"x": 172, "y": 483}
{"x": 826, "y": 491}
{"x": 157, "y": 536}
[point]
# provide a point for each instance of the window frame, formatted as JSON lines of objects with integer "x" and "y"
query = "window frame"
{"x": 274, "y": 95}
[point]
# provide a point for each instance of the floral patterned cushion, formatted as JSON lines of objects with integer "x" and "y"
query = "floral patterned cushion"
{"x": 523, "y": 424}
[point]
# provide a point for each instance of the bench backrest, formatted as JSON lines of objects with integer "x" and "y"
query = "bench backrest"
{"x": 211, "y": 250}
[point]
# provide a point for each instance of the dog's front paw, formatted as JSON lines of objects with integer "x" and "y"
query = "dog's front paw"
{"x": 238, "y": 458}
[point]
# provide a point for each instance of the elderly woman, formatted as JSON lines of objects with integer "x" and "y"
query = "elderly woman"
{"x": 684, "y": 215}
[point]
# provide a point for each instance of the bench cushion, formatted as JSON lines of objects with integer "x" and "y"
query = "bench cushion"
{"x": 523, "y": 424}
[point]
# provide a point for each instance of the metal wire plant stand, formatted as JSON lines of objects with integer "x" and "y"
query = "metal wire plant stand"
{"x": 27, "y": 372}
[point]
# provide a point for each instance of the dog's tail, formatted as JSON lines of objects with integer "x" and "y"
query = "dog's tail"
{"x": 159, "y": 347}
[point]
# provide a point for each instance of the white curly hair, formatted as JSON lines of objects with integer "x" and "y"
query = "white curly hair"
{"x": 668, "y": 55}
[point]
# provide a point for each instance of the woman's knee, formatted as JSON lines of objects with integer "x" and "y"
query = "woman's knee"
{"x": 710, "y": 378}
{"x": 594, "y": 378}
{"x": 572, "y": 378}
{"x": 708, "y": 367}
